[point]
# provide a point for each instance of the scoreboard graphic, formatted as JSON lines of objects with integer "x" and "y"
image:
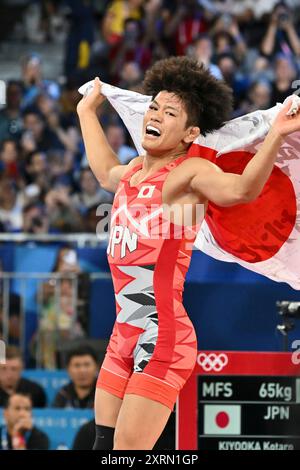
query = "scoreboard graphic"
{"x": 240, "y": 401}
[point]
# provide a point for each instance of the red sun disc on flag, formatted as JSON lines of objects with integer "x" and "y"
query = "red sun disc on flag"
{"x": 257, "y": 230}
{"x": 222, "y": 419}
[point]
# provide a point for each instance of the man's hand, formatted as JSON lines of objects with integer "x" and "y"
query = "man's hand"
{"x": 92, "y": 99}
{"x": 284, "y": 124}
{"x": 22, "y": 425}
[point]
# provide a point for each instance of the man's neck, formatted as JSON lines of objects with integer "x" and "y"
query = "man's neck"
{"x": 151, "y": 163}
{"x": 9, "y": 390}
{"x": 82, "y": 392}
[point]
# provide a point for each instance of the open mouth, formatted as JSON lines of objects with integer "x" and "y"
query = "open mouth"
{"x": 152, "y": 131}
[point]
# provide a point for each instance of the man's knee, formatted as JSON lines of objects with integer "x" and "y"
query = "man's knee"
{"x": 126, "y": 439}
{"x": 104, "y": 438}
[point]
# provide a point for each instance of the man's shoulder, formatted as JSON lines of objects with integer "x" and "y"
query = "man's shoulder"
{"x": 198, "y": 162}
{"x": 29, "y": 385}
{"x": 38, "y": 440}
{"x": 192, "y": 165}
{"x": 67, "y": 388}
{"x": 64, "y": 395}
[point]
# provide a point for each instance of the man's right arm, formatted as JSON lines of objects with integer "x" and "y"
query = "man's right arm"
{"x": 103, "y": 161}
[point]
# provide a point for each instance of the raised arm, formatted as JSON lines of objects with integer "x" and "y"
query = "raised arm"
{"x": 102, "y": 159}
{"x": 228, "y": 189}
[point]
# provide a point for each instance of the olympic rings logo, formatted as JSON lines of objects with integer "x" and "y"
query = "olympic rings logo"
{"x": 212, "y": 361}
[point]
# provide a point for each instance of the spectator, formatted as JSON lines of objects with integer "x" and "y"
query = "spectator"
{"x": 64, "y": 217}
{"x": 228, "y": 38}
{"x": 35, "y": 219}
{"x": 202, "y": 50}
{"x": 233, "y": 77}
{"x": 90, "y": 193}
{"x": 36, "y": 166}
{"x": 285, "y": 74}
{"x": 38, "y": 135}
{"x": 14, "y": 311}
{"x": 260, "y": 69}
{"x": 116, "y": 15}
{"x": 10, "y": 116}
{"x": 12, "y": 382}
{"x": 82, "y": 368}
{"x": 63, "y": 132}
{"x": 91, "y": 220}
{"x": 18, "y": 432}
{"x": 115, "y": 135}
{"x": 132, "y": 49}
{"x": 131, "y": 77}
{"x": 258, "y": 97}
{"x": 9, "y": 153}
{"x": 33, "y": 82}
{"x": 183, "y": 23}
{"x": 11, "y": 205}
{"x": 281, "y": 35}
{"x": 59, "y": 316}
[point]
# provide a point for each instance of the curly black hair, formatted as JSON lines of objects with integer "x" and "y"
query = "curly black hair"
{"x": 208, "y": 101}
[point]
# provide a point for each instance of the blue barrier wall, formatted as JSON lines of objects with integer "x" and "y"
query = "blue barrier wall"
{"x": 50, "y": 380}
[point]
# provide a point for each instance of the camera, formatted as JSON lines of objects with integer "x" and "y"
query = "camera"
{"x": 283, "y": 17}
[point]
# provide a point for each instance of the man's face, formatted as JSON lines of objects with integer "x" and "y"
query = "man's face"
{"x": 203, "y": 49}
{"x": 260, "y": 96}
{"x": 9, "y": 153}
{"x": 284, "y": 70}
{"x": 82, "y": 370}
{"x": 115, "y": 137}
{"x": 167, "y": 114}
{"x": 14, "y": 96}
{"x": 227, "y": 67}
{"x": 19, "y": 409}
{"x": 10, "y": 373}
{"x": 35, "y": 221}
{"x": 88, "y": 182}
{"x": 33, "y": 123}
{"x": 38, "y": 163}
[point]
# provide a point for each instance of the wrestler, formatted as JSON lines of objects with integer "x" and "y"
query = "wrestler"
{"x": 152, "y": 349}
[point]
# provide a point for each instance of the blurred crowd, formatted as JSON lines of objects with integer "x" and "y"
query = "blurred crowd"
{"x": 46, "y": 185}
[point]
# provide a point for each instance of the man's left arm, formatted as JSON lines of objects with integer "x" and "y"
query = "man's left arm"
{"x": 226, "y": 189}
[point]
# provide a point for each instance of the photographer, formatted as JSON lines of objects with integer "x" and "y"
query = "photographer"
{"x": 281, "y": 35}
{"x": 18, "y": 433}
{"x": 35, "y": 219}
{"x": 64, "y": 217}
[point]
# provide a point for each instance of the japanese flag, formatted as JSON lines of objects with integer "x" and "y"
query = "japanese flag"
{"x": 263, "y": 235}
{"x": 222, "y": 419}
